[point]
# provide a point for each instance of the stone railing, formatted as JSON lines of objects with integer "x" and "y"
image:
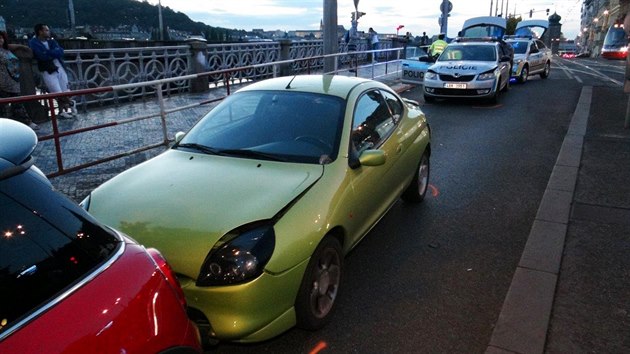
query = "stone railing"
{"x": 91, "y": 68}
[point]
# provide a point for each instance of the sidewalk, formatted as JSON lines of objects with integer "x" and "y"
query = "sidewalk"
{"x": 571, "y": 290}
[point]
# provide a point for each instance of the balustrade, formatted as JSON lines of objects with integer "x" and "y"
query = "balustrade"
{"x": 91, "y": 68}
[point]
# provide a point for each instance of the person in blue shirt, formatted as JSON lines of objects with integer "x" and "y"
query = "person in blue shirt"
{"x": 49, "y": 56}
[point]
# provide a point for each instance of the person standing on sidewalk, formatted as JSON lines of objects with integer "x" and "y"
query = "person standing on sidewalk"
{"x": 49, "y": 56}
{"x": 373, "y": 41}
{"x": 10, "y": 82}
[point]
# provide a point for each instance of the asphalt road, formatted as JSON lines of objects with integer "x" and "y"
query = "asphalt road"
{"x": 432, "y": 277}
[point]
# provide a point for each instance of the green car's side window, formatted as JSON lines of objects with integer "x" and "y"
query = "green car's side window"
{"x": 394, "y": 104}
{"x": 372, "y": 122}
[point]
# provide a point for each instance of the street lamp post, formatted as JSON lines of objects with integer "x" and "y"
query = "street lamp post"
{"x": 160, "y": 20}
{"x": 331, "y": 42}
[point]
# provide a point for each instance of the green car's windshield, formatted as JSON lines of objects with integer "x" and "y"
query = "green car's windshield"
{"x": 272, "y": 125}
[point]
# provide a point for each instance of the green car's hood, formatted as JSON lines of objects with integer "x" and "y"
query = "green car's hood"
{"x": 181, "y": 203}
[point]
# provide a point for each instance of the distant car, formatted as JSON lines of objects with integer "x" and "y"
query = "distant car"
{"x": 469, "y": 68}
{"x": 568, "y": 55}
{"x": 414, "y": 68}
{"x": 531, "y": 57}
{"x": 70, "y": 284}
{"x": 256, "y": 206}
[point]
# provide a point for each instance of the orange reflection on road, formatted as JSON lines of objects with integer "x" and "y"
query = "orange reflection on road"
{"x": 319, "y": 347}
{"x": 434, "y": 191}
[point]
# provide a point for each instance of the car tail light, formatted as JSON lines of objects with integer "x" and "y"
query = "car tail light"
{"x": 168, "y": 274}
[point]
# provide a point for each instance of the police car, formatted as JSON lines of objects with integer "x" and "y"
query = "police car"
{"x": 531, "y": 57}
{"x": 469, "y": 67}
{"x": 414, "y": 68}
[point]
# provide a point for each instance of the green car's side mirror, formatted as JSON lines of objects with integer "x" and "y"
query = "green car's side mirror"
{"x": 179, "y": 136}
{"x": 372, "y": 158}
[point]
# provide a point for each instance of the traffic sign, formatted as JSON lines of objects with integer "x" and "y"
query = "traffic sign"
{"x": 449, "y": 6}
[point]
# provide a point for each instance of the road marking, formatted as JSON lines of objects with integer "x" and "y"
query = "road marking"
{"x": 564, "y": 69}
{"x": 596, "y": 73}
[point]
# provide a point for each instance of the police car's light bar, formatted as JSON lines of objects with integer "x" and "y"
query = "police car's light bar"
{"x": 476, "y": 39}
{"x": 520, "y": 36}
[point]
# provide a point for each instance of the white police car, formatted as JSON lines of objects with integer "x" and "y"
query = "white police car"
{"x": 414, "y": 68}
{"x": 531, "y": 57}
{"x": 472, "y": 68}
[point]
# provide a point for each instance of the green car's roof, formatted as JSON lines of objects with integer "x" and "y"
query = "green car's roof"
{"x": 335, "y": 85}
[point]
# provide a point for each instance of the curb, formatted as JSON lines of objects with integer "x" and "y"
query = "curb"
{"x": 524, "y": 319}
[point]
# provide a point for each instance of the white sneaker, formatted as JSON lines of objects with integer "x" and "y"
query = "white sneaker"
{"x": 33, "y": 126}
{"x": 65, "y": 115}
{"x": 73, "y": 108}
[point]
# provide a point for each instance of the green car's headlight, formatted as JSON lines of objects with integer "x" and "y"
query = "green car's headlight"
{"x": 239, "y": 256}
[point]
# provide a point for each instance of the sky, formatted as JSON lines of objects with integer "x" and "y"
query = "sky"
{"x": 383, "y": 15}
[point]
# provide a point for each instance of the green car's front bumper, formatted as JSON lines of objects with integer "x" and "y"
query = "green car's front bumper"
{"x": 249, "y": 312}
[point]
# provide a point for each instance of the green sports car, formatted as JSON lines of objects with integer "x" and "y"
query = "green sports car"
{"x": 256, "y": 206}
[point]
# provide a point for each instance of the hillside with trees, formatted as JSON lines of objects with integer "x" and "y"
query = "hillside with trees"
{"x": 107, "y": 13}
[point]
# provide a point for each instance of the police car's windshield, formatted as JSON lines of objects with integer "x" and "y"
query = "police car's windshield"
{"x": 469, "y": 52}
{"x": 520, "y": 47}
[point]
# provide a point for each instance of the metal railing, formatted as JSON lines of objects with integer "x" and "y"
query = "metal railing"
{"x": 92, "y": 68}
{"x": 347, "y": 63}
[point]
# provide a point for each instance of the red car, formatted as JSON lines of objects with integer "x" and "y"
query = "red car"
{"x": 69, "y": 284}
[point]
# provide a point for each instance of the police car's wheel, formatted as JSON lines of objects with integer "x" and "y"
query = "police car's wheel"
{"x": 524, "y": 74}
{"x": 497, "y": 93}
{"x": 545, "y": 72}
{"x": 507, "y": 85}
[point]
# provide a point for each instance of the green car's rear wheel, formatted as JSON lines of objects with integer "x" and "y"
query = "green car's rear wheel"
{"x": 420, "y": 182}
{"x": 320, "y": 285}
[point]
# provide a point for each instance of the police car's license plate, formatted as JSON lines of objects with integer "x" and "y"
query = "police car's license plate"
{"x": 455, "y": 86}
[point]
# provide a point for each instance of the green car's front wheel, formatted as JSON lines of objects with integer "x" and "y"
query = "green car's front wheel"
{"x": 420, "y": 182}
{"x": 320, "y": 285}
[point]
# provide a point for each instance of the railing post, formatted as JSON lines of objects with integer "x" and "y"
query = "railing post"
{"x": 285, "y": 54}
{"x": 199, "y": 52}
{"x": 160, "y": 97}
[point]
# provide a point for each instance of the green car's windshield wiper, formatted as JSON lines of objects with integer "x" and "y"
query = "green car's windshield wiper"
{"x": 205, "y": 149}
{"x": 230, "y": 152}
{"x": 249, "y": 153}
